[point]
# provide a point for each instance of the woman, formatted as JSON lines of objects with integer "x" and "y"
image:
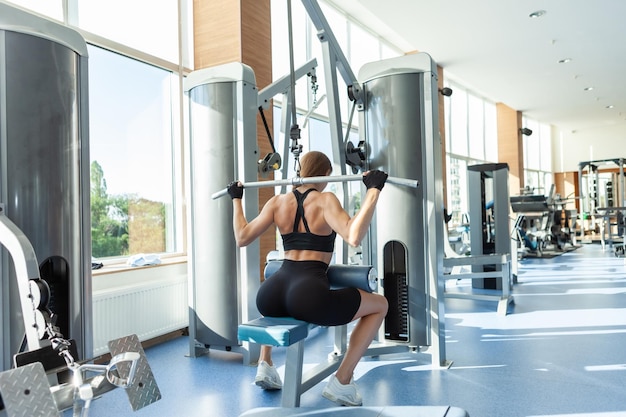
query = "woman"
{"x": 308, "y": 221}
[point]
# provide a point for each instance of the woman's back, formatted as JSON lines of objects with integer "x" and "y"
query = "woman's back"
{"x": 285, "y": 214}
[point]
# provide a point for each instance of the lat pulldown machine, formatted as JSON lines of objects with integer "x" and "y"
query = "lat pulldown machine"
{"x": 399, "y": 136}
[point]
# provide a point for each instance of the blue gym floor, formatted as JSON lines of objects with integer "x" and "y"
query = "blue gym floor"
{"x": 561, "y": 351}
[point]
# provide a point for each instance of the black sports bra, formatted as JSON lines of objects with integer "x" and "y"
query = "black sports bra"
{"x": 306, "y": 240}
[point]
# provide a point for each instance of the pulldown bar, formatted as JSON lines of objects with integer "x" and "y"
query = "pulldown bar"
{"x": 404, "y": 182}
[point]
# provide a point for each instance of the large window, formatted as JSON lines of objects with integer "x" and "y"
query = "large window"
{"x": 135, "y": 116}
{"x": 471, "y": 138}
{"x": 537, "y": 157}
{"x": 133, "y": 199}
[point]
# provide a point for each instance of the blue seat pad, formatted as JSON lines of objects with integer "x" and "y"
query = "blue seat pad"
{"x": 274, "y": 331}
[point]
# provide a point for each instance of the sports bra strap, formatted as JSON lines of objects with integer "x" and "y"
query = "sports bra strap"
{"x": 300, "y": 210}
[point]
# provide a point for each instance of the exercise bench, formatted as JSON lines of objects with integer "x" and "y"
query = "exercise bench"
{"x": 291, "y": 333}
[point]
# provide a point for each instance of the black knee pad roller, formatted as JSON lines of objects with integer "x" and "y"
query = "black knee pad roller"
{"x": 363, "y": 277}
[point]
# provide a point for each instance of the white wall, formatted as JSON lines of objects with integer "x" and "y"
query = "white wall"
{"x": 571, "y": 148}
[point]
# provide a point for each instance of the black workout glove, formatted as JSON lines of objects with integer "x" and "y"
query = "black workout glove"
{"x": 235, "y": 190}
{"x": 375, "y": 179}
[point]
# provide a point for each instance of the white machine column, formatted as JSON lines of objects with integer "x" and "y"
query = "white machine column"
{"x": 402, "y": 136}
{"x": 223, "y": 281}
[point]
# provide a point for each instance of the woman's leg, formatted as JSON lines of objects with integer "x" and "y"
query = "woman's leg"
{"x": 266, "y": 375}
{"x": 266, "y": 354}
{"x": 371, "y": 313}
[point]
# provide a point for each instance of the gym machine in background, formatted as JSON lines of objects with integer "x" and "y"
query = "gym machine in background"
{"x": 602, "y": 199}
{"x": 601, "y": 189}
{"x": 489, "y": 217}
{"x": 543, "y": 223}
{"x": 492, "y": 267}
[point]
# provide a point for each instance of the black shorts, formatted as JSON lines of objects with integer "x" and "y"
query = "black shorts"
{"x": 300, "y": 289}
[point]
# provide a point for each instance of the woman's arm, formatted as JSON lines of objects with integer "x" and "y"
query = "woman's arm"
{"x": 352, "y": 230}
{"x": 246, "y": 233}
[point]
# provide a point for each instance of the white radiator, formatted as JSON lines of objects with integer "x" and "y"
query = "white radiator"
{"x": 147, "y": 308}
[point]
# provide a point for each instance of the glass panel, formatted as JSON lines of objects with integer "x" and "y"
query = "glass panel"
{"x": 150, "y": 26}
{"x": 491, "y": 132}
{"x": 280, "y": 42}
{"x": 447, "y": 104}
{"x": 280, "y": 38}
{"x": 458, "y": 122}
{"x": 320, "y": 141}
{"x": 524, "y": 150}
{"x": 476, "y": 127}
{"x": 548, "y": 181}
{"x": 281, "y": 65}
{"x": 131, "y": 136}
{"x": 457, "y": 190}
{"x": 389, "y": 52}
{"x": 50, "y": 8}
{"x": 532, "y": 150}
{"x": 532, "y": 182}
{"x": 364, "y": 47}
{"x": 546, "y": 147}
{"x": 338, "y": 25}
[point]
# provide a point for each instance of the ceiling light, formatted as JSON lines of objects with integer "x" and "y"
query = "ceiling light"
{"x": 537, "y": 14}
{"x": 565, "y": 60}
{"x": 588, "y": 88}
{"x": 610, "y": 106}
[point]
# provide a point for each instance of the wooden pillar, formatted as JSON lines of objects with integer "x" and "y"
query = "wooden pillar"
{"x": 239, "y": 31}
{"x": 510, "y": 146}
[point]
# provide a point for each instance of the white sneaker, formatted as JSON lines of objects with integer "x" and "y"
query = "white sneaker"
{"x": 342, "y": 394}
{"x": 267, "y": 377}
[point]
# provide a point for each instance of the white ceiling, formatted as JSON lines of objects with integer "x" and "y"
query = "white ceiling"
{"x": 497, "y": 51}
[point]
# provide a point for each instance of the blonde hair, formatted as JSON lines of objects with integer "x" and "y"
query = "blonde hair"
{"x": 314, "y": 164}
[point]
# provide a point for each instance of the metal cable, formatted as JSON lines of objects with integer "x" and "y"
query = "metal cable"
{"x": 294, "y": 132}
{"x": 291, "y": 66}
